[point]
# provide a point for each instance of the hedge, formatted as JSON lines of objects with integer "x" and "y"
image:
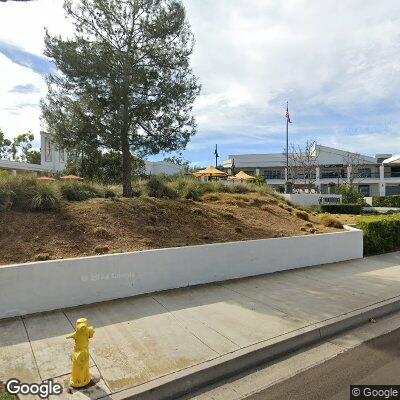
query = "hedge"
{"x": 381, "y": 233}
{"x": 388, "y": 201}
{"x": 341, "y": 208}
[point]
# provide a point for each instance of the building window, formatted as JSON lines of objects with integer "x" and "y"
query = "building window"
{"x": 273, "y": 174}
{"x": 61, "y": 156}
{"x": 364, "y": 190}
{"x": 47, "y": 149}
{"x": 364, "y": 173}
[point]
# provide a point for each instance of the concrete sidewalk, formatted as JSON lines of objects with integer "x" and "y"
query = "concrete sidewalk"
{"x": 140, "y": 339}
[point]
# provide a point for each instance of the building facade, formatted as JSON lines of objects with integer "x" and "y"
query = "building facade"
{"x": 52, "y": 159}
{"x": 327, "y": 167}
{"x": 162, "y": 168}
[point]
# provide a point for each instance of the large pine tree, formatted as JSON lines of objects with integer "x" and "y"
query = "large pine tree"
{"x": 123, "y": 79}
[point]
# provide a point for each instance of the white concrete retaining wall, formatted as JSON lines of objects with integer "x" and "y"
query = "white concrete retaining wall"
{"x": 310, "y": 199}
{"x": 49, "y": 285}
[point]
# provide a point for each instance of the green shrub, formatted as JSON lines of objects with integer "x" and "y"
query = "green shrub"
{"x": 188, "y": 188}
{"x": 217, "y": 186}
{"x": 101, "y": 233}
{"x": 192, "y": 192}
{"x": 109, "y": 193}
{"x": 26, "y": 193}
{"x": 259, "y": 181}
{"x": 158, "y": 187}
{"x": 23, "y": 189}
{"x": 265, "y": 190}
{"x": 5, "y": 193}
{"x": 80, "y": 191}
{"x": 47, "y": 197}
{"x": 242, "y": 189}
{"x": 381, "y": 233}
{"x": 342, "y": 208}
{"x": 350, "y": 195}
{"x": 4, "y": 174}
{"x": 388, "y": 201}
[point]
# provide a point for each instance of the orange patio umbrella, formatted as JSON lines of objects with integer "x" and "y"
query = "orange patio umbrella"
{"x": 72, "y": 178}
{"x": 210, "y": 171}
{"x": 241, "y": 176}
{"x": 46, "y": 179}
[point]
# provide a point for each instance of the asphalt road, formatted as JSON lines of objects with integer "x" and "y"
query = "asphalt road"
{"x": 376, "y": 362}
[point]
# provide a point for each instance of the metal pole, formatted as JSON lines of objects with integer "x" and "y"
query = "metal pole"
{"x": 216, "y": 156}
{"x": 287, "y": 145}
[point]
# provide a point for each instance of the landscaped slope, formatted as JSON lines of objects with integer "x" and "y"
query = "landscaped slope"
{"x": 118, "y": 225}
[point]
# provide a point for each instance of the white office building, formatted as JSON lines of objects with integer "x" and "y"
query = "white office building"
{"x": 373, "y": 176}
{"x": 52, "y": 159}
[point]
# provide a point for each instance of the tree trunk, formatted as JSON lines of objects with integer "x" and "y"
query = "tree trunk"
{"x": 126, "y": 167}
{"x": 126, "y": 156}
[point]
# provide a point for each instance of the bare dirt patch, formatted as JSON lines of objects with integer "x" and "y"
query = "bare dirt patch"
{"x": 120, "y": 225}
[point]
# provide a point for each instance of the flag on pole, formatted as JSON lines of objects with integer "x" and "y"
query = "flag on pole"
{"x": 287, "y": 115}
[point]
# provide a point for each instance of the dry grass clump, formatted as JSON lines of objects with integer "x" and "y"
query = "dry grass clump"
{"x": 197, "y": 211}
{"x": 41, "y": 257}
{"x": 211, "y": 197}
{"x": 101, "y": 249}
{"x": 102, "y": 233}
{"x": 331, "y": 221}
{"x": 227, "y": 214}
{"x": 302, "y": 214}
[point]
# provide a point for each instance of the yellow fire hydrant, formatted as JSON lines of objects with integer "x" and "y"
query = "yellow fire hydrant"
{"x": 80, "y": 375}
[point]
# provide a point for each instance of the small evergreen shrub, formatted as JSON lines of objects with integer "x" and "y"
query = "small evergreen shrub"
{"x": 5, "y": 198}
{"x": 80, "y": 191}
{"x": 241, "y": 189}
{"x": 158, "y": 187}
{"x": 101, "y": 233}
{"x": 381, "y": 233}
{"x": 342, "y": 208}
{"x": 47, "y": 197}
{"x": 350, "y": 195}
{"x": 110, "y": 193}
{"x": 189, "y": 188}
{"x": 387, "y": 201}
{"x": 26, "y": 193}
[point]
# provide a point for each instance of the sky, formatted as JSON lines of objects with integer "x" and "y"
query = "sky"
{"x": 336, "y": 63}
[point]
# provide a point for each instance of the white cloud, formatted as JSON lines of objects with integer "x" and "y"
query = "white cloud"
{"x": 253, "y": 55}
{"x": 336, "y": 62}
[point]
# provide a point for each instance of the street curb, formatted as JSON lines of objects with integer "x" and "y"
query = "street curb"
{"x": 193, "y": 378}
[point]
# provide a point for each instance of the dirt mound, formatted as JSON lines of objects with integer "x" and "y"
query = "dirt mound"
{"x": 119, "y": 225}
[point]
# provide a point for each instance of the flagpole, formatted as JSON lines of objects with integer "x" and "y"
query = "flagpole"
{"x": 287, "y": 145}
